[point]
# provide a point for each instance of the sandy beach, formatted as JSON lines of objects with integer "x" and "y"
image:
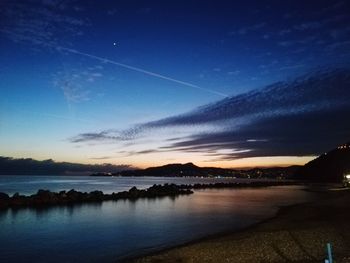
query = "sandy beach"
{"x": 297, "y": 233}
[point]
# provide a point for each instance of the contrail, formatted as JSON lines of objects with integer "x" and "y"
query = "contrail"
{"x": 105, "y": 60}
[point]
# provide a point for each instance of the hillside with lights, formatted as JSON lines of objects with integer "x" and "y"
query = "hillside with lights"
{"x": 332, "y": 167}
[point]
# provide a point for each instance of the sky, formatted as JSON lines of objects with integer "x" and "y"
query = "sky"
{"x": 144, "y": 83}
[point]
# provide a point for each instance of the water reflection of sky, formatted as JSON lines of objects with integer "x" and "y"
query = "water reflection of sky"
{"x": 110, "y": 230}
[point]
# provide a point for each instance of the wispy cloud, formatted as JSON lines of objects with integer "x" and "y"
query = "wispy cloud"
{"x": 312, "y": 133}
{"x": 289, "y": 67}
{"x": 112, "y": 12}
{"x": 248, "y": 29}
{"x": 339, "y": 45}
{"x": 43, "y": 23}
{"x": 316, "y": 25}
{"x": 303, "y": 41}
{"x": 234, "y": 72}
{"x": 101, "y": 158}
{"x": 308, "y": 25}
{"x": 108, "y": 135}
{"x": 301, "y": 117}
{"x": 40, "y": 21}
{"x": 284, "y": 32}
{"x": 76, "y": 82}
{"x": 73, "y": 92}
{"x": 286, "y": 43}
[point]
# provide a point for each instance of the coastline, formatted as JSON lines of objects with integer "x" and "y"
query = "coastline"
{"x": 297, "y": 233}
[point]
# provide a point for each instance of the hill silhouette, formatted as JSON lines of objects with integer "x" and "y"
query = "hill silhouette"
{"x": 329, "y": 167}
{"x": 28, "y": 166}
{"x": 189, "y": 169}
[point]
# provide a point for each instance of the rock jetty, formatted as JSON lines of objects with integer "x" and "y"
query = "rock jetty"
{"x": 48, "y": 198}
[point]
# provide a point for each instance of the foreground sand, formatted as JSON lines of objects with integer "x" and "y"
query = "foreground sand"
{"x": 297, "y": 234}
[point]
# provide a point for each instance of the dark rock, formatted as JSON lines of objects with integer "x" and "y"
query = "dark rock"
{"x": 18, "y": 200}
{"x": 73, "y": 196}
{"x": 133, "y": 193}
{"x": 4, "y": 200}
{"x": 45, "y": 197}
{"x": 4, "y": 196}
{"x": 62, "y": 195}
{"x": 96, "y": 196}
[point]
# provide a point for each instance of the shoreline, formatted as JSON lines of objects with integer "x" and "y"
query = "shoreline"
{"x": 227, "y": 247}
{"x": 211, "y": 237}
{"x": 136, "y": 259}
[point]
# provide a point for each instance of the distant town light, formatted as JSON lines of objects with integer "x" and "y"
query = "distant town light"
{"x": 347, "y": 176}
{"x": 345, "y": 146}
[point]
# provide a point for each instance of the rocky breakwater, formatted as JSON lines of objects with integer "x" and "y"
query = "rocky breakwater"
{"x": 48, "y": 198}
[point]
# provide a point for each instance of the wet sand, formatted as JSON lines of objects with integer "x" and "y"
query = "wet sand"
{"x": 297, "y": 233}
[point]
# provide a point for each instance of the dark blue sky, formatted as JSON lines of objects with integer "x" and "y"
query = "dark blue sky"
{"x": 111, "y": 68}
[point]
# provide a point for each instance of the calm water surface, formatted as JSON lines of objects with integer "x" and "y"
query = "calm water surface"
{"x": 30, "y": 184}
{"x": 113, "y": 230}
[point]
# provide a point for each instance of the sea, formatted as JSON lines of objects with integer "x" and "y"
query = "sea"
{"x": 113, "y": 231}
